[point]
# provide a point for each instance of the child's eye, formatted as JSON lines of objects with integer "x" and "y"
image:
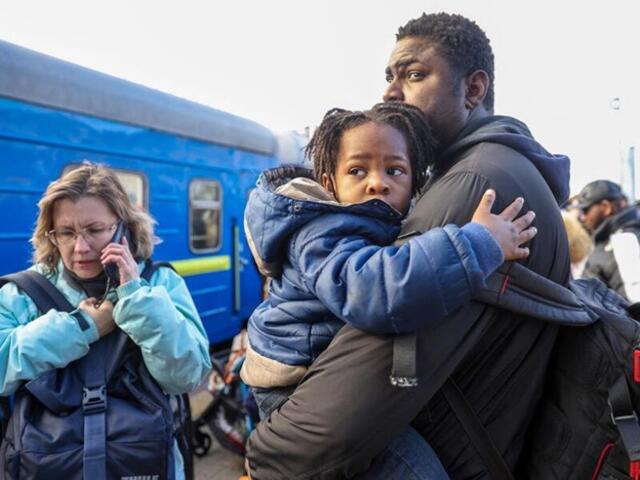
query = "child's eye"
{"x": 395, "y": 171}
{"x": 358, "y": 172}
{"x": 415, "y": 75}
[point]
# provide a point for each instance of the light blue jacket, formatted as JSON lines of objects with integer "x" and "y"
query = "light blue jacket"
{"x": 159, "y": 316}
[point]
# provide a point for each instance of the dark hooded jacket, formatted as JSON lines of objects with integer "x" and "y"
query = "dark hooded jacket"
{"x": 604, "y": 261}
{"x": 503, "y": 369}
{"x": 328, "y": 267}
{"x": 497, "y": 357}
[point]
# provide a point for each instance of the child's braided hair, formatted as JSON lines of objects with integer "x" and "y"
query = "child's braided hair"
{"x": 408, "y": 120}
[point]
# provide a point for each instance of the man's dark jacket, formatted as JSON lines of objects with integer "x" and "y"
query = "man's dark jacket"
{"x": 602, "y": 262}
{"x": 345, "y": 410}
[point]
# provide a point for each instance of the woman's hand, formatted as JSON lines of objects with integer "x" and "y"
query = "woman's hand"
{"x": 102, "y": 316}
{"x": 120, "y": 254}
{"x": 509, "y": 233}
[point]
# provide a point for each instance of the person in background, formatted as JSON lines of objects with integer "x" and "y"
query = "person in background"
{"x": 580, "y": 243}
{"x": 615, "y": 229}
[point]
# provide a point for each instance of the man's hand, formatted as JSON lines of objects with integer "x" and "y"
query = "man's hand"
{"x": 509, "y": 232}
{"x": 102, "y": 316}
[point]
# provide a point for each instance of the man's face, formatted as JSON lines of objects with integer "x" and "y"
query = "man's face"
{"x": 418, "y": 75}
{"x": 593, "y": 216}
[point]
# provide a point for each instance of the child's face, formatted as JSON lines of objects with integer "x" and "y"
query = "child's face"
{"x": 373, "y": 162}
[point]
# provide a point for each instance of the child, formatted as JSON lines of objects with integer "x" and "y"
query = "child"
{"x": 326, "y": 244}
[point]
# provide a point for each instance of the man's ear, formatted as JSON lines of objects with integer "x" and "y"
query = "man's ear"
{"x": 608, "y": 208}
{"x": 476, "y": 88}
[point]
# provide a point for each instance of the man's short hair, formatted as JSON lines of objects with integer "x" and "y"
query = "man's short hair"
{"x": 459, "y": 40}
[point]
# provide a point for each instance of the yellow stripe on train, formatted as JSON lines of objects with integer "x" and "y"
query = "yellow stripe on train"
{"x": 198, "y": 266}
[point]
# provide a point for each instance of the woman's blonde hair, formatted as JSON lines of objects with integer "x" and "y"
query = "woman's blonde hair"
{"x": 91, "y": 180}
{"x": 580, "y": 243}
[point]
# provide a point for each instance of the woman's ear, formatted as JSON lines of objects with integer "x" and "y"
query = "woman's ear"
{"x": 476, "y": 88}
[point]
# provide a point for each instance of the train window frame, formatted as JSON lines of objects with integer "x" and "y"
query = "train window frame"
{"x": 136, "y": 173}
{"x": 220, "y": 203}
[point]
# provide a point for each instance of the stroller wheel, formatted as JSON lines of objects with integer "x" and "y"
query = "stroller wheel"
{"x": 226, "y": 423}
{"x": 201, "y": 441}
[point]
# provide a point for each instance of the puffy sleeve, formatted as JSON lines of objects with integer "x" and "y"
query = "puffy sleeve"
{"x": 31, "y": 344}
{"x": 394, "y": 289}
{"x": 161, "y": 318}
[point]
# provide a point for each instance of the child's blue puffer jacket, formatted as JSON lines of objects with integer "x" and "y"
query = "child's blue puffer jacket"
{"x": 328, "y": 268}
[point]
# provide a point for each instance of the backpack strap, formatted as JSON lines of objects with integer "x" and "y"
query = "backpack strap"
{"x": 150, "y": 268}
{"x": 480, "y": 438}
{"x": 94, "y": 408}
{"x": 405, "y": 350}
{"x": 43, "y": 293}
{"x": 511, "y": 287}
{"x": 94, "y": 397}
{"x": 624, "y": 417}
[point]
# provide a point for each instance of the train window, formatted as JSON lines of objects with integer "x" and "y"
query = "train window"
{"x": 134, "y": 184}
{"x": 204, "y": 215}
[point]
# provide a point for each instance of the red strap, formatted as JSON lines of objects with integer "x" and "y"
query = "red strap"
{"x": 634, "y": 470}
{"x": 505, "y": 284}
{"x": 636, "y": 366}
{"x": 603, "y": 455}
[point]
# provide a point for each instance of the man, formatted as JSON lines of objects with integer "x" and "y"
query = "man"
{"x": 615, "y": 228}
{"x": 345, "y": 411}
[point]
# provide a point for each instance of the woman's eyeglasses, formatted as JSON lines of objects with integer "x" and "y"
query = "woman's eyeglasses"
{"x": 93, "y": 235}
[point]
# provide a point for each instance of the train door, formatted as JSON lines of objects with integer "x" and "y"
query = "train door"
{"x": 247, "y": 282}
{"x": 251, "y": 283}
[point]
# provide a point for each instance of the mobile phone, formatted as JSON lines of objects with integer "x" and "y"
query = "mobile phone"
{"x": 111, "y": 269}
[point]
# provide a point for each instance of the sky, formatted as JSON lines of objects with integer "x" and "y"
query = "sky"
{"x": 283, "y": 63}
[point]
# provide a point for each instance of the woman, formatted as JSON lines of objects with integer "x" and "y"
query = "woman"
{"x": 78, "y": 216}
{"x": 580, "y": 243}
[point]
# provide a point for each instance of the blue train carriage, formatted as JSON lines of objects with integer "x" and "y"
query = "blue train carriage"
{"x": 191, "y": 166}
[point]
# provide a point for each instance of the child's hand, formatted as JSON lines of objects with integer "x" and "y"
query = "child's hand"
{"x": 509, "y": 233}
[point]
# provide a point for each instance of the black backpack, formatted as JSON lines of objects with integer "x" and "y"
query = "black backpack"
{"x": 101, "y": 417}
{"x": 587, "y": 423}
{"x": 586, "y": 426}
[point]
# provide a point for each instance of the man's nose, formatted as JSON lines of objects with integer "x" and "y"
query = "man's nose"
{"x": 393, "y": 92}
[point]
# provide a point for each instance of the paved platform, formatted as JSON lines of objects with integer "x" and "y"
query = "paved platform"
{"x": 218, "y": 464}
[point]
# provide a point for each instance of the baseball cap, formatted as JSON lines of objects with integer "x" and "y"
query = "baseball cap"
{"x": 597, "y": 191}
